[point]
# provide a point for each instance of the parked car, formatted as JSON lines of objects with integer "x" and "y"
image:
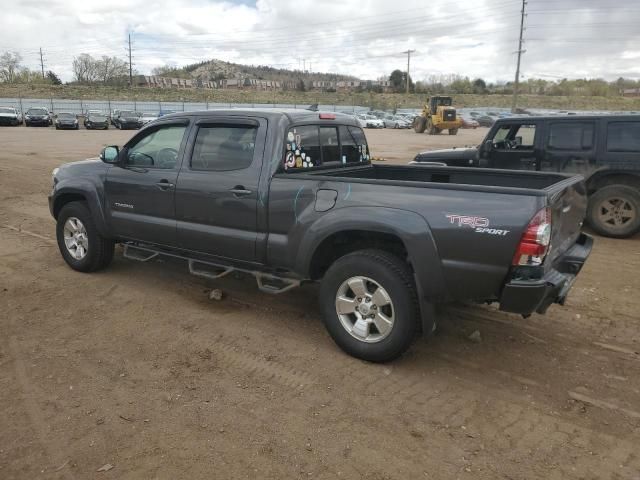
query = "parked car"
{"x": 67, "y": 121}
{"x": 386, "y": 242}
{"x": 360, "y": 120}
{"x": 162, "y": 113}
{"x": 395, "y": 121}
{"x": 95, "y": 121}
{"x": 485, "y": 120}
{"x": 37, "y": 116}
{"x": 604, "y": 149}
{"x": 147, "y": 117}
{"x": 469, "y": 122}
{"x": 128, "y": 119}
{"x": 10, "y": 116}
{"x": 371, "y": 121}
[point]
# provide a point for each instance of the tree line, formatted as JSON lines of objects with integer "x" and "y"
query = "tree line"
{"x": 89, "y": 70}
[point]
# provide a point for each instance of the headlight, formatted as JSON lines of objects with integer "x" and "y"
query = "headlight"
{"x": 54, "y": 172}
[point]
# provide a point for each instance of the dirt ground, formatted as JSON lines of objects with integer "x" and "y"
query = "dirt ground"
{"x": 136, "y": 368}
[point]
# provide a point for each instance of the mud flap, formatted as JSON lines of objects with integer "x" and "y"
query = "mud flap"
{"x": 427, "y": 312}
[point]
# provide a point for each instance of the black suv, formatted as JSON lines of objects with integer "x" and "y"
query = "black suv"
{"x": 604, "y": 149}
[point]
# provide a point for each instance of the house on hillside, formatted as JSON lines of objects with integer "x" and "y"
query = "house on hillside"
{"x": 631, "y": 92}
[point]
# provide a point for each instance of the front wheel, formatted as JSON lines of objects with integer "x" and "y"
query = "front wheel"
{"x": 80, "y": 243}
{"x": 614, "y": 211}
{"x": 369, "y": 305}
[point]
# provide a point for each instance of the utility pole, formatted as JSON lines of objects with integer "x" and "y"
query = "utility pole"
{"x": 41, "y": 63}
{"x": 408, "y": 52}
{"x": 520, "y": 51}
{"x": 130, "y": 66}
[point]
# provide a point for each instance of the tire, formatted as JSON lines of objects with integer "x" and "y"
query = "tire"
{"x": 614, "y": 211}
{"x": 376, "y": 268}
{"x": 419, "y": 124}
{"x": 453, "y": 131}
{"x": 99, "y": 250}
{"x": 57, "y": 127}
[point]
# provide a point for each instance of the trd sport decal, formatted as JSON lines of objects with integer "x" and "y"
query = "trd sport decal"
{"x": 479, "y": 224}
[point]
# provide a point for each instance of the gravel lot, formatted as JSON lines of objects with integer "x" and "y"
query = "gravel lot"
{"x": 136, "y": 368}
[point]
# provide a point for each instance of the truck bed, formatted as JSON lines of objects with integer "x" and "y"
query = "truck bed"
{"x": 459, "y": 176}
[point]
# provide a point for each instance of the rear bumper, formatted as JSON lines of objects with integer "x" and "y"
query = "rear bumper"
{"x": 529, "y": 296}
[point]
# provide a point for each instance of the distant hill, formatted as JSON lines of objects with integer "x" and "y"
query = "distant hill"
{"x": 217, "y": 70}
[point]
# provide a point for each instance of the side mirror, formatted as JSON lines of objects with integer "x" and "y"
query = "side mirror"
{"x": 488, "y": 146}
{"x": 110, "y": 154}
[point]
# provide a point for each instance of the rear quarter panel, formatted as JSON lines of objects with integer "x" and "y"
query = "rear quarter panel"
{"x": 451, "y": 258}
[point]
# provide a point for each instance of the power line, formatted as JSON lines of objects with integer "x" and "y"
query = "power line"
{"x": 520, "y": 52}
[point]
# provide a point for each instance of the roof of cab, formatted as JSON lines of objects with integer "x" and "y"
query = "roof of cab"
{"x": 294, "y": 115}
{"x": 567, "y": 118}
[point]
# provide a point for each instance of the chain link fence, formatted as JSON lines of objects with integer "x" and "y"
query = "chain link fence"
{"x": 81, "y": 107}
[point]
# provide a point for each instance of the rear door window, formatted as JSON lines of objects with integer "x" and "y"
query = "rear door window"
{"x": 623, "y": 137}
{"x": 224, "y": 147}
{"x": 572, "y": 136}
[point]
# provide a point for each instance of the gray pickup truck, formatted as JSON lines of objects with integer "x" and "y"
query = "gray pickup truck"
{"x": 292, "y": 196}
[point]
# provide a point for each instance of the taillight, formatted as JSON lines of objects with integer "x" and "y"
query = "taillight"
{"x": 327, "y": 116}
{"x": 534, "y": 244}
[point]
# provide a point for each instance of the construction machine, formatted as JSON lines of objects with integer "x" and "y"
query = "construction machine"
{"x": 437, "y": 115}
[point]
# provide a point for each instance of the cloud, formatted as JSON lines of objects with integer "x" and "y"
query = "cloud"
{"x": 366, "y": 38}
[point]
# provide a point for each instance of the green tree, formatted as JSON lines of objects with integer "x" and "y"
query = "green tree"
{"x": 479, "y": 86}
{"x": 53, "y": 78}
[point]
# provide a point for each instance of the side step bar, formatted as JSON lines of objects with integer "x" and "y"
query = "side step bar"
{"x": 267, "y": 282}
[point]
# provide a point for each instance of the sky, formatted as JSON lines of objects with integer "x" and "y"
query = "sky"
{"x": 364, "y": 38}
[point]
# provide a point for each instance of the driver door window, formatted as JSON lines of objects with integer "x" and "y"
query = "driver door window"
{"x": 515, "y": 137}
{"x": 158, "y": 149}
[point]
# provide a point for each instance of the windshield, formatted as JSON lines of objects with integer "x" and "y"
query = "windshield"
{"x": 127, "y": 113}
{"x": 97, "y": 118}
{"x": 37, "y": 111}
{"x": 7, "y": 110}
{"x": 66, "y": 116}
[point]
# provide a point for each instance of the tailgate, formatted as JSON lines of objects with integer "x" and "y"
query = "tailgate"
{"x": 568, "y": 204}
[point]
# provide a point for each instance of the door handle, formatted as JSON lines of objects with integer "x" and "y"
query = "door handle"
{"x": 240, "y": 191}
{"x": 164, "y": 184}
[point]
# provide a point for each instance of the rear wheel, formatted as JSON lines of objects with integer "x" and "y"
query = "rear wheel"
{"x": 614, "y": 211}
{"x": 80, "y": 243}
{"x": 369, "y": 305}
{"x": 419, "y": 124}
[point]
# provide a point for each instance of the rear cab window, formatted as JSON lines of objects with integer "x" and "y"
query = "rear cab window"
{"x": 623, "y": 137}
{"x": 309, "y": 146}
{"x": 571, "y": 136}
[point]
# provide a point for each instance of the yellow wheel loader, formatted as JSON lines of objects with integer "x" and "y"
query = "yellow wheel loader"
{"x": 438, "y": 115}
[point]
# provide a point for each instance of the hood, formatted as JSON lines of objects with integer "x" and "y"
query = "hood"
{"x": 455, "y": 157}
{"x": 91, "y": 166}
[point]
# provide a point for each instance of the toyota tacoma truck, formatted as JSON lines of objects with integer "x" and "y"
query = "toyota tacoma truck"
{"x": 292, "y": 197}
